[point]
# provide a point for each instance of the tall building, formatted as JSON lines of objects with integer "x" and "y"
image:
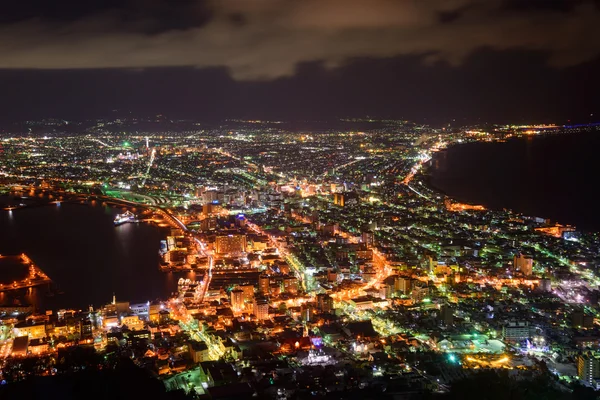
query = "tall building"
{"x": 230, "y": 244}
{"x": 515, "y": 331}
{"x": 307, "y": 312}
{"x": 385, "y": 291}
{"x": 290, "y": 284}
{"x": 207, "y": 209}
{"x": 237, "y": 300}
{"x": 207, "y": 224}
{"x": 248, "y": 293}
{"x": 588, "y": 368}
{"x": 419, "y": 293}
{"x": 364, "y": 254}
{"x": 523, "y": 263}
{"x": 402, "y": 285}
{"x": 368, "y": 238}
{"x": 446, "y": 315}
{"x": 324, "y": 302}
{"x": 345, "y": 198}
{"x": 546, "y": 285}
{"x": 263, "y": 284}
{"x": 154, "y": 311}
{"x": 261, "y": 308}
{"x": 338, "y": 199}
{"x": 213, "y": 196}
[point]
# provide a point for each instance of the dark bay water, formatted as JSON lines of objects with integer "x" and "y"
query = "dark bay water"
{"x": 85, "y": 255}
{"x": 554, "y": 177}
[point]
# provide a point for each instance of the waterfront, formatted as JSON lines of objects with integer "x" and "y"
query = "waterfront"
{"x": 394, "y": 268}
{"x": 545, "y": 176}
{"x": 85, "y": 255}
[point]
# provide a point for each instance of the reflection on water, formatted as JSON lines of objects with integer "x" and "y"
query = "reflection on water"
{"x": 85, "y": 255}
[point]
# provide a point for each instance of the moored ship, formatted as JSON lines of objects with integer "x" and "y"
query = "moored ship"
{"x": 127, "y": 216}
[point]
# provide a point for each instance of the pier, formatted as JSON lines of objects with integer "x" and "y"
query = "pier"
{"x": 31, "y": 274}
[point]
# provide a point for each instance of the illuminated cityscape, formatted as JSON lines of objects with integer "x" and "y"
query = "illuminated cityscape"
{"x": 293, "y": 200}
{"x": 307, "y": 269}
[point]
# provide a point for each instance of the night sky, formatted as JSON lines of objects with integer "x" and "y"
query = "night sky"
{"x": 425, "y": 60}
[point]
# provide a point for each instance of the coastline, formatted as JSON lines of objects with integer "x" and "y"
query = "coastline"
{"x": 431, "y": 172}
{"x": 82, "y": 258}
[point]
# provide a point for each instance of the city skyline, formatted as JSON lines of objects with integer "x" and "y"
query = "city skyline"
{"x": 299, "y": 199}
{"x": 319, "y": 249}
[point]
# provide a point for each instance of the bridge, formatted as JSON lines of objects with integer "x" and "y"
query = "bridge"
{"x": 172, "y": 220}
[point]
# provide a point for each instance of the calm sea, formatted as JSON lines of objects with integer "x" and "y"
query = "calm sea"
{"x": 554, "y": 176}
{"x": 85, "y": 255}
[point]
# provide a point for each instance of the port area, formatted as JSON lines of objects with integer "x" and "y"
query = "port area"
{"x": 19, "y": 271}
{"x": 124, "y": 218}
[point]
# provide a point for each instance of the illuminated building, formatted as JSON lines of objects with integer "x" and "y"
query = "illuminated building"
{"x": 20, "y": 346}
{"x": 86, "y": 328}
{"x": 230, "y": 244}
{"x": 546, "y": 285}
{"x": 38, "y": 347}
{"x": 364, "y": 254}
{"x": 248, "y": 293}
{"x": 345, "y": 198}
{"x": 332, "y": 275}
{"x": 362, "y": 303}
{"x": 330, "y": 229}
{"x": 375, "y": 293}
{"x": 275, "y": 288}
{"x": 450, "y": 206}
{"x": 212, "y": 196}
{"x": 557, "y": 231}
{"x": 369, "y": 275}
{"x": 207, "y": 209}
{"x": 176, "y": 256}
{"x": 307, "y": 312}
{"x": 133, "y": 322}
{"x": 33, "y": 331}
{"x": 198, "y": 351}
{"x": 111, "y": 321}
{"x": 385, "y": 291}
{"x": 290, "y": 284}
{"x": 368, "y": 238}
{"x": 164, "y": 316}
{"x": 237, "y": 300}
{"x": 139, "y": 308}
{"x": 275, "y": 200}
{"x": 261, "y": 308}
{"x": 208, "y": 224}
{"x": 263, "y": 284}
{"x": 116, "y": 307}
{"x": 154, "y": 312}
{"x": 402, "y": 285}
{"x": 324, "y": 302}
{"x": 523, "y": 263}
{"x": 588, "y": 368}
{"x": 515, "y": 331}
{"x": 61, "y": 330}
{"x": 173, "y": 242}
{"x": 419, "y": 294}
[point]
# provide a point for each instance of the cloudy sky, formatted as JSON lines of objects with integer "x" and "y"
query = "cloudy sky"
{"x": 433, "y": 60}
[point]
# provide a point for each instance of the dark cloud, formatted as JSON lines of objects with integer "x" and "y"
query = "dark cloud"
{"x": 268, "y": 39}
{"x": 491, "y": 86}
{"x": 537, "y": 5}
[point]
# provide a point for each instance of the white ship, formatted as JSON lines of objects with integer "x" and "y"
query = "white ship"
{"x": 127, "y": 216}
